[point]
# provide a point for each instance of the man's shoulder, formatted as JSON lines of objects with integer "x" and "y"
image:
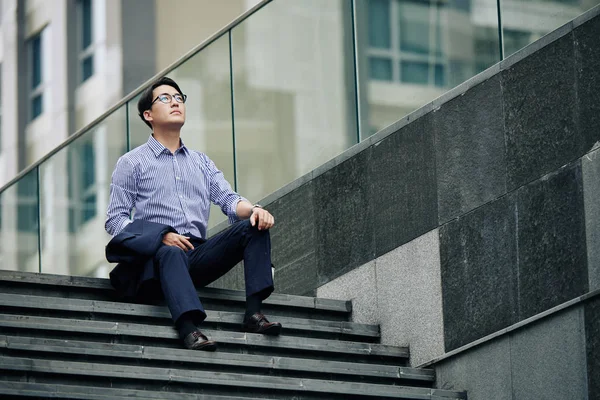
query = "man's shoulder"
{"x": 135, "y": 155}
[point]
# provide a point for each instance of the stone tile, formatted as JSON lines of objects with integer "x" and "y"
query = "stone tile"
{"x": 587, "y": 56}
{"x": 484, "y": 372}
{"x": 592, "y": 335}
{"x": 539, "y": 112}
{"x": 234, "y": 279}
{"x": 293, "y": 235}
{"x": 343, "y": 214}
{"x": 590, "y": 165}
{"x": 478, "y": 263}
{"x": 551, "y": 241}
{"x": 470, "y": 153}
{"x": 298, "y": 277}
{"x": 402, "y": 186}
{"x": 409, "y": 298}
{"x": 358, "y": 285}
{"x": 548, "y": 358}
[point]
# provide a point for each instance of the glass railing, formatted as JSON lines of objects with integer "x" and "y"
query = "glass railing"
{"x": 279, "y": 91}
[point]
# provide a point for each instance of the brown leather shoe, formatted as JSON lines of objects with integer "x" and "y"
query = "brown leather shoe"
{"x": 198, "y": 341}
{"x": 257, "y": 323}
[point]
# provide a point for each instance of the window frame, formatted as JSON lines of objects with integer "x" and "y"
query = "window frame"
{"x": 88, "y": 52}
{"x": 39, "y": 89}
{"x": 396, "y": 55}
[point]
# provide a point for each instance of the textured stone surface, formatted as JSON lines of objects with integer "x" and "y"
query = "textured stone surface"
{"x": 478, "y": 263}
{"x": 590, "y": 165}
{"x": 484, "y": 372}
{"x": 539, "y": 111}
{"x": 410, "y": 298}
{"x": 548, "y": 358}
{"x": 293, "y": 235}
{"x": 469, "y": 146}
{"x": 299, "y": 277}
{"x": 592, "y": 335}
{"x": 587, "y": 52}
{"x": 551, "y": 241}
{"x": 343, "y": 215}
{"x": 359, "y": 286}
{"x": 402, "y": 186}
{"x": 234, "y": 279}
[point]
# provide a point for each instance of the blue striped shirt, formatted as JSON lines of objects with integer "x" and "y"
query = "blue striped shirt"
{"x": 174, "y": 189}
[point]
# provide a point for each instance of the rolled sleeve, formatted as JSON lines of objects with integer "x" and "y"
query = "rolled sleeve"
{"x": 221, "y": 192}
{"x": 123, "y": 193}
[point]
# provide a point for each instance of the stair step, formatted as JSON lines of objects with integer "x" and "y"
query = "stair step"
{"x": 221, "y": 361}
{"x": 45, "y": 390}
{"x": 219, "y": 380}
{"x": 127, "y": 312}
{"x": 29, "y": 283}
{"x": 151, "y": 335}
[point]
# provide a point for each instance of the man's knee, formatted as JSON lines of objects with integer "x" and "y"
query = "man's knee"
{"x": 168, "y": 252}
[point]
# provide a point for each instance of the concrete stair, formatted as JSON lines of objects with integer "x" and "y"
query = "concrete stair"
{"x": 71, "y": 338}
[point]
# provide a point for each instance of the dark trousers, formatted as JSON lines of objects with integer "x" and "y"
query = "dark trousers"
{"x": 181, "y": 272}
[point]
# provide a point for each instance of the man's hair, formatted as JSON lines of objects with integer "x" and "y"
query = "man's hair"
{"x": 145, "y": 101}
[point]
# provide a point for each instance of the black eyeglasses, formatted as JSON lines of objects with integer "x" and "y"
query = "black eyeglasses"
{"x": 166, "y": 98}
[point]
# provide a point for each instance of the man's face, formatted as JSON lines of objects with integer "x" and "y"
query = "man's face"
{"x": 169, "y": 114}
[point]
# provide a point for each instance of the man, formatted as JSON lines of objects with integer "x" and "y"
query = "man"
{"x": 172, "y": 186}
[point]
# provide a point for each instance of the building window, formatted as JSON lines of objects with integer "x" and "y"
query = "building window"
{"x": 405, "y": 42}
{"x": 86, "y": 42}
{"x": 81, "y": 164}
{"x": 34, "y": 45}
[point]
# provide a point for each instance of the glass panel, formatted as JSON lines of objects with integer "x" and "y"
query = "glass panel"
{"x": 205, "y": 78}
{"x": 86, "y": 23}
{"x": 36, "y": 60}
{"x": 37, "y": 106}
{"x": 380, "y": 68}
{"x": 525, "y": 21}
{"x": 435, "y": 47}
{"x": 138, "y": 130}
{"x": 75, "y": 184}
{"x": 294, "y": 91}
{"x": 87, "y": 68}
{"x": 19, "y": 227}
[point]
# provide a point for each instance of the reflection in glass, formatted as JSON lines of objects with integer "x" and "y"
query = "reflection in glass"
{"x": 75, "y": 184}
{"x": 294, "y": 91}
{"x": 526, "y": 21}
{"x": 429, "y": 47}
{"x": 19, "y": 225}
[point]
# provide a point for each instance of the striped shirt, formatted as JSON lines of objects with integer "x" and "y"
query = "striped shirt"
{"x": 174, "y": 189}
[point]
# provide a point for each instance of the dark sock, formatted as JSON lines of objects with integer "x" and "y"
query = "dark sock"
{"x": 185, "y": 325}
{"x": 253, "y": 304}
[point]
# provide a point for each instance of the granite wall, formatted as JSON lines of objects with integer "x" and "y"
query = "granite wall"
{"x": 502, "y": 174}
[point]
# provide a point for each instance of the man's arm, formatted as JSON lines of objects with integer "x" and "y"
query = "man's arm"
{"x": 232, "y": 204}
{"x": 123, "y": 192}
{"x": 258, "y": 215}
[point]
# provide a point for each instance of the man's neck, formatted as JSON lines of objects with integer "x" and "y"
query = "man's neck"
{"x": 168, "y": 138}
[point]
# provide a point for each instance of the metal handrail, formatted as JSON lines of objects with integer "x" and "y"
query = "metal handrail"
{"x": 141, "y": 88}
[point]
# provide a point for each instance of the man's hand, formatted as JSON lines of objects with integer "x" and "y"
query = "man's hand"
{"x": 174, "y": 239}
{"x": 261, "y": 218}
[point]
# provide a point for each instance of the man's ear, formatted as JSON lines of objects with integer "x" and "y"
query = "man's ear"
{"x": 147, "y": 116}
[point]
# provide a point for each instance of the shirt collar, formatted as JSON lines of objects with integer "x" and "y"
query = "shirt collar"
{"x": 158, "y": 148}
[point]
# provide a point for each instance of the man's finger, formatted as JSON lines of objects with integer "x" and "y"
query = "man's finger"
{"x": 187, "y": 244}
{"x": 253, "y": 219}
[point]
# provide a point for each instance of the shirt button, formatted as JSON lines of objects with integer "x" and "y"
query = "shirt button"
{"x": 177, "y": 177}
{"x": 180, "y": 196}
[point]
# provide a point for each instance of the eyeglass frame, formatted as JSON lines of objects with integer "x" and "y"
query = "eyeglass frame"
{"x": 184, "y": 96}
